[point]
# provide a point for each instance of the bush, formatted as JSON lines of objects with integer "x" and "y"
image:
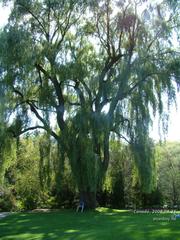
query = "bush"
{"x": 7, "y": 201}
{"x": 30, "y": 203}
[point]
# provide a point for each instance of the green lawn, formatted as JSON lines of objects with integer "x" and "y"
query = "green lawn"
{"x": 103, "y": 224}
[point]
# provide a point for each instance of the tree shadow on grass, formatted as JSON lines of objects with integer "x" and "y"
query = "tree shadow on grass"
{"x": 105, "y": 224}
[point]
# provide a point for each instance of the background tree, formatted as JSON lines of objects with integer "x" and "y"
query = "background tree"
{"x": 26, "y": 172}
{"x": 114, "y": 189}
{"x": 97, "y": 70}
{"x": 168, "y": 162}
{"x": 27, "y": 184}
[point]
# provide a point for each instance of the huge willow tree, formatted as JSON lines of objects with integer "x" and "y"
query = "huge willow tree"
{"x": 99, "y": 68}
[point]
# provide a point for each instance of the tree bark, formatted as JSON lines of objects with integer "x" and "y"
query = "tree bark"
{"x": 89, "y": 199}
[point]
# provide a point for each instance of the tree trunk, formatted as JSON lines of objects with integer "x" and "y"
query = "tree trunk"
{"x": 89, "y": 199}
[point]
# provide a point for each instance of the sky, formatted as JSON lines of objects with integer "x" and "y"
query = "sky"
{"x": 174, "y": 120}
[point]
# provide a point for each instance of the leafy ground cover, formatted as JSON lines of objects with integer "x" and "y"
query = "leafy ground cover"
{"x": 102, "y": 224}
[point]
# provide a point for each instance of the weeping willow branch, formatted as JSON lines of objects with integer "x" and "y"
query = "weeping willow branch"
{"x": 36, "y": 18}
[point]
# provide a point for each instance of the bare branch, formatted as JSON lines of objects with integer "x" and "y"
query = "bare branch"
{"x": 31, "y": 129}
{"x": 73, "y": 103}
{"x": 17, "y": 92}
{"x": 122, "y": 136}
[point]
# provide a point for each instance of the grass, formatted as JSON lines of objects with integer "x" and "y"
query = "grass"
{"x": 102, "y": 224}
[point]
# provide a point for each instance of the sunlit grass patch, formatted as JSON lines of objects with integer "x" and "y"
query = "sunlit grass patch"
{"x": 102, "y": 224}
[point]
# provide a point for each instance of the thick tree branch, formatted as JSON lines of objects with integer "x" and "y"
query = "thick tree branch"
{"x": 108, "y": 65}
{"x": 79, "y": 93}
{"x": 87, "y": 90}
{"x": 46, "y": 126}
{"x": 59, "y": 94}
{"x": 106, "y": 151}
{"x": 31, "y": 129}
{"x": 108, "y": 41}
{"x": 54, "y": 81}
{"x": 34, "y": 110}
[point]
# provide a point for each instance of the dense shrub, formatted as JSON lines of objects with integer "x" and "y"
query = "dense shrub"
{"x": 7, "y": 201}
